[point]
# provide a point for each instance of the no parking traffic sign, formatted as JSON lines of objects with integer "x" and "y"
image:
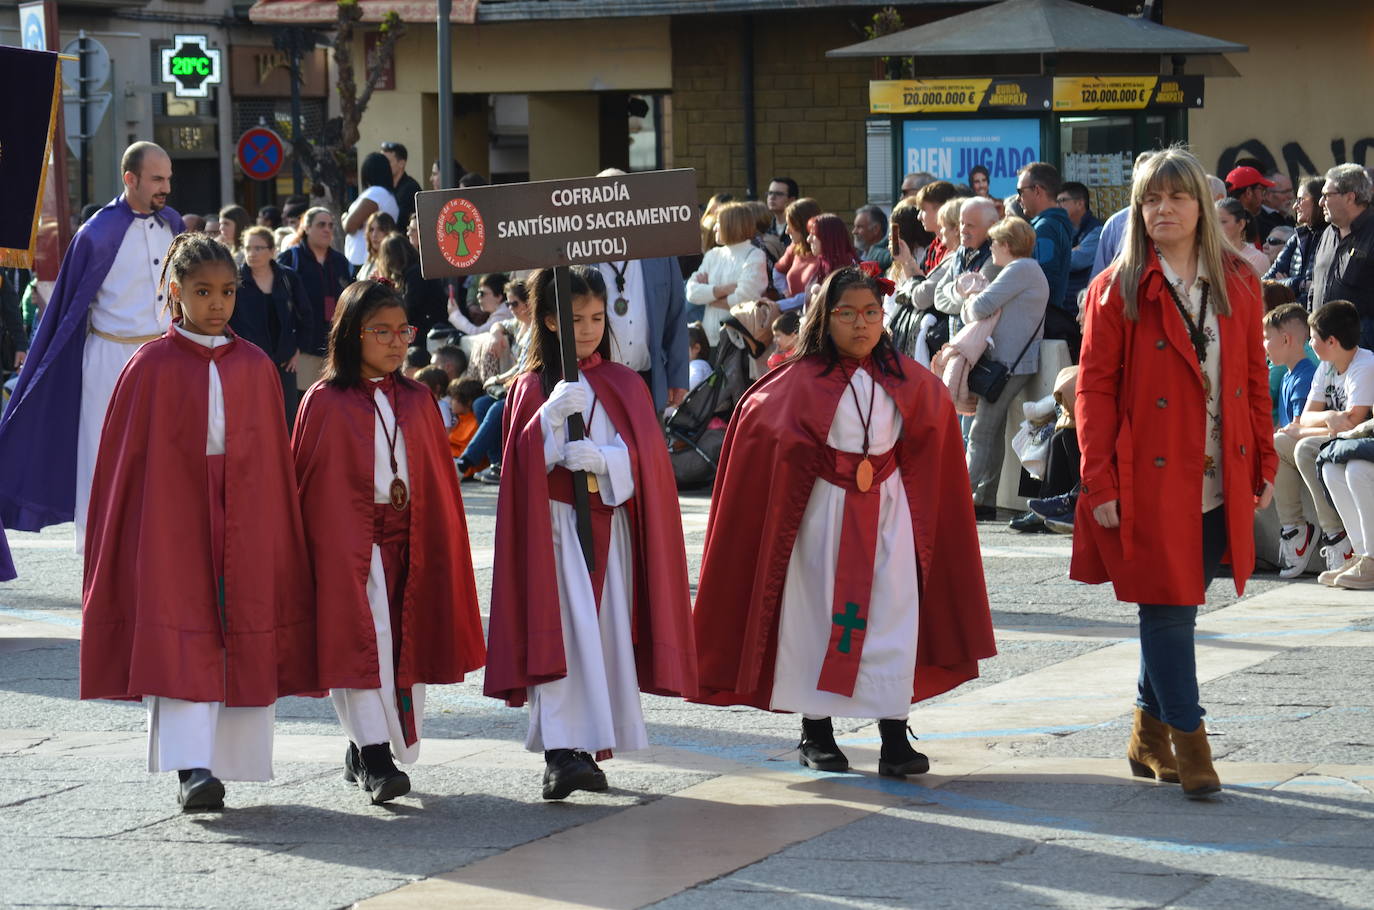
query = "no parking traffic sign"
{"x": 260, "y": 153}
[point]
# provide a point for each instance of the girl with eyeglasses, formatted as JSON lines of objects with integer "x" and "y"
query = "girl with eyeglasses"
{"x": 833, "y": 582}
{"x": 194, "y": 597}
{"x": 375, "y": 480}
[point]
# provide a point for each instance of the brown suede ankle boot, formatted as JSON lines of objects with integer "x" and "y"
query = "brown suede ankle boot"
{"x": 1150, "y": 753}
{"x": 1194, "y": 756}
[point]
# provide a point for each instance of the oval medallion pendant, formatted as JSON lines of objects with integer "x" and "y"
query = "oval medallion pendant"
{"x": 863, "y": 476}
{"x": 400, "y": 496}
{"x": 622, "y": 306}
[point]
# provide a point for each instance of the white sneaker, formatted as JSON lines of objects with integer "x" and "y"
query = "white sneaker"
{"x": 1337, "y": 550}
{"x": 1329, "y": 577}
{"x": 1296, "y": 549}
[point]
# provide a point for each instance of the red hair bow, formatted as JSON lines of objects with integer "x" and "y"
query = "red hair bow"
{"x": 387, "y": 282}
{"x": 875, "y": 271}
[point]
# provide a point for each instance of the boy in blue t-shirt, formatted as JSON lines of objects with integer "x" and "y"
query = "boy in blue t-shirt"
{"x": 1285, "y": 342}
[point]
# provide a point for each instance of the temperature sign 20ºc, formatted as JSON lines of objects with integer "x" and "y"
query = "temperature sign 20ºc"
{"x": 260, "y": 153}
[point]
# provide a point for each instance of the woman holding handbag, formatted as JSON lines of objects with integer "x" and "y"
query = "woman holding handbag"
{"x": 1175, "y": 431}
{"x": 1016, "y": 298}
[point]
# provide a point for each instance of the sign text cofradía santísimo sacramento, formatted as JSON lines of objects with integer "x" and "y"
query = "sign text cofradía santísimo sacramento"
{"x": 558, "y": 222}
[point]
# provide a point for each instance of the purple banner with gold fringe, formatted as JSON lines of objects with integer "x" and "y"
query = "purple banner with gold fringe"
{"x": 26, "y": 133}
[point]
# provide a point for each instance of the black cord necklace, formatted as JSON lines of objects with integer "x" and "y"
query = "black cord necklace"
{"x": 1197, "y": 331}
{"x": 622, "y": 306}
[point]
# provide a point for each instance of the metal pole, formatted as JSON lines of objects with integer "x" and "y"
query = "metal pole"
{"x": 567, "y": 345}
{"x": 84, "y": 103}
{"x": 747, "y": 87}
{"x": 297, "y": 171}
{"x": 445, "y": 35}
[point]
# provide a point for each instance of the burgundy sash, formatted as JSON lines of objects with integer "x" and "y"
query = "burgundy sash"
{"x": 561, "y": 490}
{"x": 854, "y": 568}
{"x": 391, "y": 534}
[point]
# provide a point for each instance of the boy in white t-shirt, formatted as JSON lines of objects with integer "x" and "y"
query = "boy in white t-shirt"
{"x": 1342, "y": 395}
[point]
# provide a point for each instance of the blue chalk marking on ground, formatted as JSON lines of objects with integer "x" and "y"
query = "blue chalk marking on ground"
{"x": 54, "y": 619}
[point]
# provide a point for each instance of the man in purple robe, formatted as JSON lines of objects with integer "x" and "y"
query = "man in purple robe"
{"x": 105, "y": 304}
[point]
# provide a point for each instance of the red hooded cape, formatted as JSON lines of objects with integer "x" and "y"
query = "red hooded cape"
{"x": 769, "y": 464}
{"x": 441, "y": 628}
{"x": 150, "y": 609}
{"x": 526, "y": 628}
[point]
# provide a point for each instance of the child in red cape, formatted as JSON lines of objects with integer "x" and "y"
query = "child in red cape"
{"x": 196, "y": 595}
{"x": 394, "y": 591}
{"x": 581, "y": 645}
{"x": 841, "y": 572}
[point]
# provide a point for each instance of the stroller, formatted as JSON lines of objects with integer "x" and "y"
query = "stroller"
{"x": 696, "y": 431}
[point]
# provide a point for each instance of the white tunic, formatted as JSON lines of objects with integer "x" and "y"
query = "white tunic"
{"x": 596, "y": 706}
{"x": 887, "y": 669}
{"x": 233, "y": 743}
{"x": 370, "y": 716}
{"x": 128, "y": 304}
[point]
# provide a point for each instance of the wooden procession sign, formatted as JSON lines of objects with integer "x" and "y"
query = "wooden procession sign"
{"x": 557, "y": 224}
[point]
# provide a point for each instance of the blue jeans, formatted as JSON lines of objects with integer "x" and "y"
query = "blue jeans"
{"x": 486, "y": 442}
{"x": 1167, "y": 689}
{"x": 1367, "y": 332}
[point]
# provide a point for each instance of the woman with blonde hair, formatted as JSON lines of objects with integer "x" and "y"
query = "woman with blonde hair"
{"x": 731, "y": 273}
{"x": 379, "y": 226}
{"x": 1177, "y": 446}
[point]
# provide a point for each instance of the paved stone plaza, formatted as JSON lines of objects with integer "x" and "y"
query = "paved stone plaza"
{"x": 1029, "y": 802}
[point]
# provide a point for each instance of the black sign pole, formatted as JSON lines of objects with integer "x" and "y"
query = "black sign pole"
{"x": 562, "y": 285}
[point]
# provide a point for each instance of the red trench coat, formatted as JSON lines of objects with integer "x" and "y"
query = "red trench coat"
{"x": 1141, "y": 428}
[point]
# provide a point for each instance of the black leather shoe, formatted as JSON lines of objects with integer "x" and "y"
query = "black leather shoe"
{"x": 353, "y": 763}
{"x": 1029, "y": 523}
{"x": 817, "y": 749}
{"x": 566, "y": 770}
{"x": 897, "y": 758}
{"x": 379, "y": 777}
{"x": 200, "y": 791}
{"x": 984, "y": 513}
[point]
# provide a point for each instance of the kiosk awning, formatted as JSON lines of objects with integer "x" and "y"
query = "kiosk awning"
{"x": 325, "y": 12}
{"x": 1020, "y": 27}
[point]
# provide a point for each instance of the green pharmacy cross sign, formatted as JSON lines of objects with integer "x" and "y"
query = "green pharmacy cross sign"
{"x": 191, "y": 65}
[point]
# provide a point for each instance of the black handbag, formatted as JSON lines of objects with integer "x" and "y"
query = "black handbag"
{"x": 988, "y": 377}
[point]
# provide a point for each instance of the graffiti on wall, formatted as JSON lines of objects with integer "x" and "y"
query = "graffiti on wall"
{"x": 1296, "y": 162}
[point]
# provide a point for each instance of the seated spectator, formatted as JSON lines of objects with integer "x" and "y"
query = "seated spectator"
{"x": 929, "y": 199}
{"x": 1053, "y": 508}
{"x": 437, "y": 381}
{"x": 1237, "y": 224}
{"x": 452, "y": 360}
{"x": 1276, "y": 295}
{"x": 491, "y": 299}
{"x": 699, "y": 349}
{"x": 489, "y": 408}
{"x": 1293, "y": 266}
{"x": 1347, "y": 467}
{"x": 379, "y": 226}
{"x": 773, "y": 245}
{"x": 918, "y": 328}
{"x": 1278, "y": 238}
{"x": 973, "y": 255}
{"x": 870, "y": 236}
{"x": 1019, "y": 295}
{"x": 462, "y": 394}
{"x": 1343, "y": 264}
{"x": 907, "y": 240}
{"x": 731, "y": 273}
{"x": 417, "y": 358}
{"x": 1285, "y": 343}
{"x": 786, "y": 328}
{"x": 1341, "y": 396}
{"x": 796, "y": 270}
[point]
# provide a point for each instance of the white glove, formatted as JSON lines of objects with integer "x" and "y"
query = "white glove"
{"x": 584, "y": 455}
{"x": 565, "y": 400}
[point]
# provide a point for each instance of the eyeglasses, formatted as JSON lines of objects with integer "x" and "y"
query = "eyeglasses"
{"x": 257, "y": 248}
{"x": 1326, "y": 194}
{"x": 776, "y": 193}
{"x": 1020, "y": 190}
{"x": 848, "y": 315}
{"x": 385, "y": 335}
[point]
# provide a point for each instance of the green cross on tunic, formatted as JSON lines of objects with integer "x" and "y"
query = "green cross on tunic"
{"x": 461, "y": 225}
{"x": 850, "y": 622}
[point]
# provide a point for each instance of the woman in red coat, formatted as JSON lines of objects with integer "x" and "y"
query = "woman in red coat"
{"x": 1177, "y": 448}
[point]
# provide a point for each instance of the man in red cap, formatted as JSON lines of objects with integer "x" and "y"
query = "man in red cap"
{"x": 1247, "y": 185}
